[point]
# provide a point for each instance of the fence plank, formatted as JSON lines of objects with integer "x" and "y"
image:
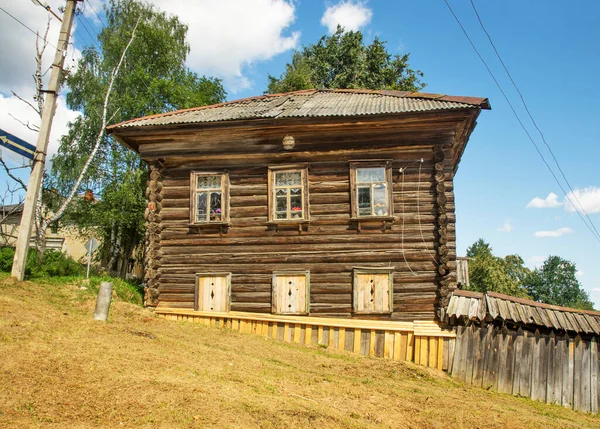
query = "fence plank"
{"x": 460, "y": 353}
{"x": 491, "y": 352}
{"x": 525, "y": 364}
{"x": 552, "y": 371}
{"x": 568, "y": 366}
{"x": 519, "y": 339}
{"x": 577, "y": 373}
{"x": 594, "y": 375}
{"x": 506, "y": 363}
{"x": 478, "y": 349}
{"x": 451, "y": 349}
{"x": 472, "y": 351}
{"x": 585, "y": 375}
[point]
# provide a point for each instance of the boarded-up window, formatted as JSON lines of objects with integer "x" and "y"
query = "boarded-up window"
{"x": 209, "y": 193}
{"x": 373, "y": 290}
{"x": 291, "y": 292}
{"x": 288, "y": 193}
{"x": 213, "y": 292}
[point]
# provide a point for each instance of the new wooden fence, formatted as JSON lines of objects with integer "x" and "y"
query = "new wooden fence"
{"x": 423, "y": 342}
{"x": 556, "y": 369}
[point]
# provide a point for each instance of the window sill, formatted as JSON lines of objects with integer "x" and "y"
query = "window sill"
{"x": 384, "y": 221}
{"x": 299, "y": 224}
{"x": 222, "y": 227}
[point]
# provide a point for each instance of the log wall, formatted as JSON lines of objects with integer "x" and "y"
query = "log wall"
{"x": 329, "y": 247}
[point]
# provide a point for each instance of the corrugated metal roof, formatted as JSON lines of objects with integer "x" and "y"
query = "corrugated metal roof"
{"x": 472, "y": 306}
{"x": 311, "y": 103}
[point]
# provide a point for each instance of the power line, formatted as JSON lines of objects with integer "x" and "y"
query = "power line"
{"x": 34, "y": 32}
{"x": 531, "y": 117}
{"x": 94, "y": 10}
{"x": 83, "y": 22}
{"x": 592, "y": 230}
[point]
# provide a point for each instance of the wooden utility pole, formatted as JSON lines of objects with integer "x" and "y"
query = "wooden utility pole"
{"x": 37, "y": 171}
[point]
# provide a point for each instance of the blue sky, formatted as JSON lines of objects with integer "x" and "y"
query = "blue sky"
{"x": 550, "y": 47}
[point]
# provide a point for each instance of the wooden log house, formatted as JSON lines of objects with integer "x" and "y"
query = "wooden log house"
{"x": 317, "y": 216}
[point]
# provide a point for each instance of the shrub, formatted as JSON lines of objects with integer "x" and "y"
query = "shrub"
{"x": 7, "y": 255}
{"x": 53, "y": 264}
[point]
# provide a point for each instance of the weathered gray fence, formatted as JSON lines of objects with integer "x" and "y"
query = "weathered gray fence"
{"x": 557, "y": 369}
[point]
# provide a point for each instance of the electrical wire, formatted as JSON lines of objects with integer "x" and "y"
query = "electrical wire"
{"x": 402, "y": 229}
{"x": 94, "y": 10}
{"x": 83, "y": 22}
{"x": 531, "y": 116}
{"x": 24, "y": 25}
{"x": 594, "y": 233}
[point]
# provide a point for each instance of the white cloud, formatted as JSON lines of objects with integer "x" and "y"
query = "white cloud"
{"x": 596, "y": 289}
{"x": 589, "y": 198}
{"x": 227, "y": 36}
{"x": 350, "y": 14}
{"x": 550, "y": 202}
{"x": 22, "y": 112}
{"x": 556, "y": 233}
{"x": 536, "y": 261}
{"x": 579, "y": 273}
{"x": 507, "y": 227}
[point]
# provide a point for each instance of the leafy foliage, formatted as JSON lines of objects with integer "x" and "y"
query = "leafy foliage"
{"x": 342, "y": 60}
{"x": 555, "y": 282}
{"x": 495, "y": 274}
{"x": 153, "y": 79}
{"x": 52, "y": 263}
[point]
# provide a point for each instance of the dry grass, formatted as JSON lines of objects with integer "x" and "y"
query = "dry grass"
{"x": 59, "y": 368}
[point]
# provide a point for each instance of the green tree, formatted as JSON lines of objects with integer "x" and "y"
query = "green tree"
{"x": 153, "y": 79}
{"x": 555, "y": 282}
{"x": 342, "y": 60}
{"x": 495, "y": 274}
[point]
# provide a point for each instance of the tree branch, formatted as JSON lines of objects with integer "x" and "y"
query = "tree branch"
{"x": 59, "y": 213}
{"x": 32, "y": 127}
{"x": 26, "y": 102}
{"x": 12, "y": 176}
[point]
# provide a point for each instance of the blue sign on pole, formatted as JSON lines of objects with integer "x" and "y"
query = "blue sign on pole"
{"x": 17, "y": 145}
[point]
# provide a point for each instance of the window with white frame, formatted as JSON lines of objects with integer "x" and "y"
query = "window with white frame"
{"x": 209, "y": 198}
{"x": 371, "y": 189}
{"x": 288, "y": 194}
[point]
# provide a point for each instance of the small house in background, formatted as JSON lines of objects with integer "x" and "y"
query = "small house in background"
{"x": 57, "y": 237}
{"x": 317, "y": 216}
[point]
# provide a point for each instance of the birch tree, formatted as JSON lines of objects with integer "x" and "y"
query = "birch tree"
{"x": 153, "y": 79}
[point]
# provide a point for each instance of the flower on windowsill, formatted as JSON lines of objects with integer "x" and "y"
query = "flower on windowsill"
{"x": 216, "y": 211}
{"x": 296, "y": 209}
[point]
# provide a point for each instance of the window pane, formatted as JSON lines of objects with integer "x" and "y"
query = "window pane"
{"x": 201, "y": 207}
{"x": 364, "y": 201}
{"x": 296, "y": 209}
{"x": 281, "y": 215}
{"x": 380, "y": 200}
{"x": 288, "y": 178}
{"x": 208, "y": 182}
{"x": 215, "y": 206}
{"x": 281, "y": 205}
{"x": 370, "y": 175}
{"x": 281, "y": 192}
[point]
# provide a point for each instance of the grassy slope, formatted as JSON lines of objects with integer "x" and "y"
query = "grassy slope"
{"x": 60, "y": 368}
